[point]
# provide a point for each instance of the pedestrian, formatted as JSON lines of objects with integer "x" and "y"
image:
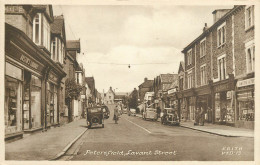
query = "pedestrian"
{"x": 158, "y": 111}
{"x": 202, "y": 117}
{"x": 197, "y": 116}
{"x": 116, "y": 114}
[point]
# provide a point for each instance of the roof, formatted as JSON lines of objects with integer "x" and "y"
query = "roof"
{"x": 211, "y": 28}
{"x": 57, "y": 25}
{"x": 174, "y": 84}
{"x": 91, "y": 82}
{"x": 122, "y": 93}
{"x": 165, "y": 87}
{"x": 181, "y": 67}
{"x": 168, "y": 78}
{"x": 147, "y": 84}
{"x": 73, "y": 45}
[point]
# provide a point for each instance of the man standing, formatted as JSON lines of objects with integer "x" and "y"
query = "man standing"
{"x": 116, "y": 114}
{"x": 158, "y": 111}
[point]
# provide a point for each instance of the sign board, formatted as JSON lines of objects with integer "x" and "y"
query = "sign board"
{"x": 246, "y": 82}
{"x": 172, "y": 91}
{"x": 83, "y": 96}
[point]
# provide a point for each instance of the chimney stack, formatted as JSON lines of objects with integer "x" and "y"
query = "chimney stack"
{"x": 217, "y": 14}
{"x": 205, "y": 27}
{"x": 145, "y": 79}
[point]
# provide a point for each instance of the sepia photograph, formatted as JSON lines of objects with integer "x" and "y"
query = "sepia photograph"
{"x": 119, "y": 82}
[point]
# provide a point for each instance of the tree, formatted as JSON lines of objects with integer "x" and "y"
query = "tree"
{"x": 133, "y": 102}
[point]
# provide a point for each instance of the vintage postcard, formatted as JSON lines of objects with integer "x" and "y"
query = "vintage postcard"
{"x": 122, "y": 81}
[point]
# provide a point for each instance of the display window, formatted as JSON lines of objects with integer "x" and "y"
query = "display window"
{"x": 36, "y": 101}
{"x": 246, "y": 105}
{"x": 13, "y": 97}
{"x": 52, "y": 112}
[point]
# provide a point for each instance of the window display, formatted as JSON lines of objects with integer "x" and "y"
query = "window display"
{"x": 246, "y": 106}
{"x": 36, "y": 101}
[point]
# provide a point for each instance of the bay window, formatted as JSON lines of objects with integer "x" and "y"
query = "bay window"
{"x": 37, "y": 29}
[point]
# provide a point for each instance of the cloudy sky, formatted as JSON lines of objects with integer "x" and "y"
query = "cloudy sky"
{"x": 149, "y": 38}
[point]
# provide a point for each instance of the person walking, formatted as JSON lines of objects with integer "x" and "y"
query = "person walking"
{"x": 116, "y": 114}
{"x": 202, "y": 117}
{"x": 197, "y": 116}
{"x": 158, "y": 111}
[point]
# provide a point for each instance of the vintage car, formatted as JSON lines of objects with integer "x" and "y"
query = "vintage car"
{"x": 132, "y": 112}
{"x": 150, "y": 113}
{"x": 170, "y": 117}
{"x": 106, "y": 111}
{"x": 95, "y": 117}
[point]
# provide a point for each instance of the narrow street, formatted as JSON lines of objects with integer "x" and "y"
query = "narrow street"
{"x": 136, "y": 139}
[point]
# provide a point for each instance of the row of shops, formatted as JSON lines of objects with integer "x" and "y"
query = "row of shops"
{"x": 228, "y": 102}
{"x": 33, "y": 87}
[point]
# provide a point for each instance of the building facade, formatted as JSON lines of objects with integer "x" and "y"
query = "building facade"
{"x": 217, "y": 63}
{"x": 146, "y": 86}
{"x": 32, "y": 78}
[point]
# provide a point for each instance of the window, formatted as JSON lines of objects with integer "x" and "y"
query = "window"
{"x": 36, "y": 29}
{"x": 203, "y": 79}
{"x": 222, "y": 68}
{"x": 53, "y": 51}
{"x": 221, "y": 34}
{"x": 249, "y": 16}
{"x": 250, "y": 56}
{"x": 189, "y": 57}
{"x": 41, "y": 36}
{"x": 190, "y": 77}
{"x": 203, "y": 48}
{"x": 109, "y": 97}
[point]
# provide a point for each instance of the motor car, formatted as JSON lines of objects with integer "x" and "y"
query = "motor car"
{"x": 106, "y": 111}
{"x": 132, "y": 112}
{"x": 125, "y": 111}
{"x": 150, "y": 113}
{"x": 95, "y": 117}
{"x": 170, "y": 117}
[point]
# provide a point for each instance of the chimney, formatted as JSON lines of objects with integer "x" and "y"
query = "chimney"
{"x": 145, "y": 79}
{"x": 217, "y": 14}
{"x": 205, "y": 27}
{"x": 110, "y": 88}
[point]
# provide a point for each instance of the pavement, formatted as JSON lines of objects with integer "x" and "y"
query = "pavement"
{"x": 221, "y": 130}
{"x": 47, "y": 145}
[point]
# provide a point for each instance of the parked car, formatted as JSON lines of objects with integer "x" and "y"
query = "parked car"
{"x": 170, "y": 117}
{"x": 125, "y": 111}
{"x": 150, "y": 113}
{"x": 132, "y": 112}
{"x": 95, "y": 117}
{"x": 105, "y": 111}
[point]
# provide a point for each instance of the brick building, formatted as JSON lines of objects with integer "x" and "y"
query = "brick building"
{"x": 219, "y": 69}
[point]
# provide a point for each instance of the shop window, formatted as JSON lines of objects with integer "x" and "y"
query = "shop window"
{"x": 249, "y": 14}
{"x": 13, "y": 113}
{"x": 246, "y": 105}
{"x": 221, "y": 34}
{"x": 36, "y": 102}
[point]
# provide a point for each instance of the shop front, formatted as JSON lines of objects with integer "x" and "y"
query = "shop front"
{"x": 223, "y": 102}
{"x": 245, "y": 103}
{"x": 204, "y": 101}
{"x": 52, "y": 115}
{"x": 189, "y": 100}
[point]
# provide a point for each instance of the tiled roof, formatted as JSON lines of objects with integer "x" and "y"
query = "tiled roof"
{"x": 166, "y": 87}
{"x": 90, "y": 81}
{"x": 168, "y": 78}
{"x": 147, "y": 84}
{"x": 57, "y": 25}
{"x": 181, "y": 67}
{"x": 174, "y": 84}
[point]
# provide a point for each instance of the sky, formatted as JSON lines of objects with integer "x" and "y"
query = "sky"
{"x": 148, "y": 38}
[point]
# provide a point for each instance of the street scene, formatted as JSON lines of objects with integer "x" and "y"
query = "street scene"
{"x": 129, "y": 83}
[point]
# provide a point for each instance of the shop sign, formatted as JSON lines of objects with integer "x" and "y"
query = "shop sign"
{"x": 83, "y": 96}
{"x": 29, "y": 62}
{"x": 246, "y": 82}
{"x": 172, "y": 91}
{"x": 222, "y": 87}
